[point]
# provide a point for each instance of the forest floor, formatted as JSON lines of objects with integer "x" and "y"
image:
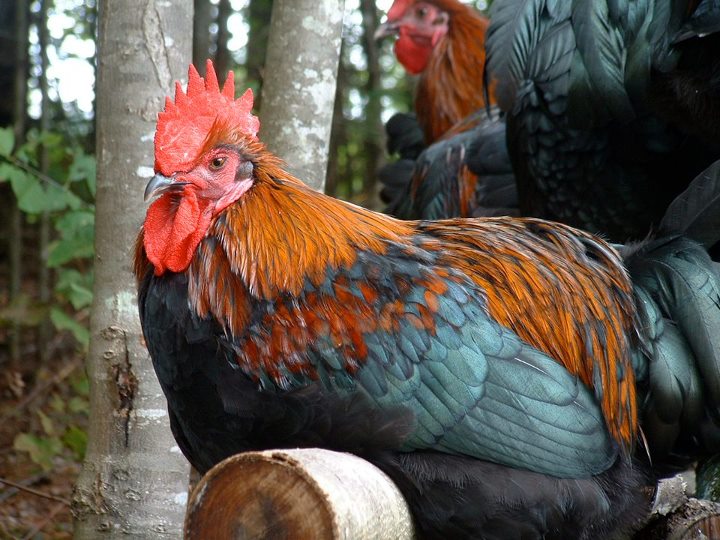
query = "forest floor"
{"x": 43, "y": 426}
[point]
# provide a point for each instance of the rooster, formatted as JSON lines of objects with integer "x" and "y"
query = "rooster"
{"x": 443, "y": 42}
{"x": 612, "y": 107}
{"x": 465, "y": 171}
{"x": 488, "y": 366}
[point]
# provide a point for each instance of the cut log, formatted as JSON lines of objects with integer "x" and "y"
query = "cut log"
{"x": 303, "y": 493}
{"x": 676, "y": 516}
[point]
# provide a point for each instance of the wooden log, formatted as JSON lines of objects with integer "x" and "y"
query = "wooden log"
{"x": 302, "y": 493}
{"x": 677, "y": 516}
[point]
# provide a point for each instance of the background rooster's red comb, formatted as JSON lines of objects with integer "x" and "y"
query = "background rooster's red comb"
{"x": 184, "y": 125}
{"x": 398, "y": 9}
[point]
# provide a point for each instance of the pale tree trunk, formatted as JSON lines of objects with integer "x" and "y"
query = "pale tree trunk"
{"x": 134, "y": 479}
{"x": 299, "y": 84}
{"x": 338, "y": 133}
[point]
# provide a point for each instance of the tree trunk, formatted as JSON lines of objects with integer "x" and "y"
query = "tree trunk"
{"x": 44, "y": 275}
{"x": 257, "y": 15}
{"x": 223, "y": 61}
{"x": 374, "y": 133}
{"x": 201, "y": 34}
{"x": 338, "y": 134}
{"x": 134, "y": 479}
{"x": 19, "y": 127}
{"x": 299, "y": 87}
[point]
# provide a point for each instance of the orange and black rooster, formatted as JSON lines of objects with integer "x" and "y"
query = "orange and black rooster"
{"x": 613, "y": 107}
{"x": 494, "y": 368}
{"x": 465, "y": 171}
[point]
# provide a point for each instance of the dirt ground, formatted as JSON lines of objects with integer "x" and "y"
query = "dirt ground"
{"x": 43, "y": 404}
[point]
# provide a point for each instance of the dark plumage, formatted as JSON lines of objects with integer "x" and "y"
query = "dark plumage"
{"x": 612, "y": 107}
{"x": 466, "y": 174}
{"x": 465, "y": 170}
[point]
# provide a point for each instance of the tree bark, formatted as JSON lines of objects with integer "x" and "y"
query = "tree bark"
{"x": 134, "y": 479}
{"x": 374, "y": 133}
{"x": 19, "y": 127}
{"x": 201, "y": 34}
{"x": 257, "y": 15}
{"x": 223, "y": 61}
{"x": 299, "y": 87}
{"x": 44, "y": 275}
{"x": 303, "y": 493}
{"x": 338, "y": 133}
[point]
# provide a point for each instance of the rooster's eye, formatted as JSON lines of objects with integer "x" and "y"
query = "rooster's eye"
{"x": 217, "y": 163}
{"x": 422, "y": 11}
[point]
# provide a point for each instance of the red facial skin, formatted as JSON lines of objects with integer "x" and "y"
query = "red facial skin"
{"x": 420, "y": 26}
{"x": 180, "y": 217}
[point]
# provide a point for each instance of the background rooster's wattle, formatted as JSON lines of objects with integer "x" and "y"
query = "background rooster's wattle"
{"x": 488, "y": 366}
{"x": 466, "y": 170}
{"x": 612, "y": 107}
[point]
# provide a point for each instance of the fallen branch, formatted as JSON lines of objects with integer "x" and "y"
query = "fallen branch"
{"x": 35, "y": 492}
{"x": 12, "y": 491}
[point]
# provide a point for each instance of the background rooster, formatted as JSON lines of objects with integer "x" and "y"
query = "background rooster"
{"x": 466, "y": 170}
{"x": 613, "y": 107}
{"x": 485, "y": 365}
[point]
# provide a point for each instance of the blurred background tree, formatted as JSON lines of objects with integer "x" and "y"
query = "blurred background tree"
{"x": 47, "y": 190}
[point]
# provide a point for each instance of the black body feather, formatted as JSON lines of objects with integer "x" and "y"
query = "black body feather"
{"x": 609, "y": 116}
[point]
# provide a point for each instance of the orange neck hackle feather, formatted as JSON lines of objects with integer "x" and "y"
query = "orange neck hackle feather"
{"x": 451, "y": 86}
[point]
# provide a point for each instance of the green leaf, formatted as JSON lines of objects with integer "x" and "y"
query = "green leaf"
{"x": 63, "y": 321}
{"x": 59, "y": 198}
{"x": 7, "y": 171}
{"x": 7, "y": 141}
{"x": 34, "y": 198}
{"x": 47, "y": 423}
{"x": 75, "y": 287}
{"x": 79, "y": 404}
{"x": 81, "y": 385}
{"x": 77, "y": 232}
{"x": 30, "y": 195}
{"x": 67, "y": 250}
{"x": 76, "y": 440}
{"x": 77, "y": 222}
{"x": 83, "y": 168}
{"x": 57, "y": 403}
{"x": 42, "y": 450}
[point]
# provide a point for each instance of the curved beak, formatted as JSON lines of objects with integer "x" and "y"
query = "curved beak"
{"x": 386, "y": 29}
{"x": 158, "y": 184}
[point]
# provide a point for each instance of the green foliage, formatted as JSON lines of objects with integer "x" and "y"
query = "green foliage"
{"x": 66, "y": 193}
{"x": 42, "y": 448}
{"x": 61, "y": 432}
{"x": 63, "y": 321}
{"x": 7, "y": 141}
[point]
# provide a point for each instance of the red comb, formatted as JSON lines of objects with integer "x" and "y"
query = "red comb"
{"x": 183, "y": 126}
{"x": 398, "y": 9}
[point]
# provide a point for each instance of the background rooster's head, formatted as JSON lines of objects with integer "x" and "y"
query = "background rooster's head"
{"x": 420, "y": 26}
{"x": 206, "y": 150}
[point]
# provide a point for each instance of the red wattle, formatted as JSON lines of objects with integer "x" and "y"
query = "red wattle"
{"x": 173, "y": 229}
{"x": 412, "y": 55}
